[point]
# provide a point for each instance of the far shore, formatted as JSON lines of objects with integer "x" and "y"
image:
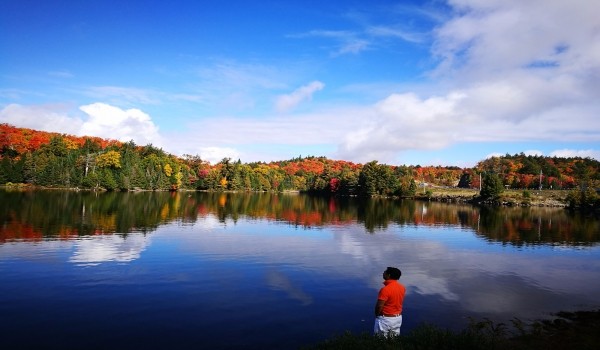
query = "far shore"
{"x": 510, "y": 197}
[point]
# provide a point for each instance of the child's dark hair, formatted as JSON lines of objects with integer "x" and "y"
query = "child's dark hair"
{"x": 394, "y": 272}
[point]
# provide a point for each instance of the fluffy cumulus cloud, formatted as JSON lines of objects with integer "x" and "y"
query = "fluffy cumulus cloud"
{"x": 287, "y": 102}
{"x": 100, "y": 119}
{"x": 515, "y": 71}
{"x": 53, "y": 118}
{"x": 400, "y": 122}
{"x": 112, "y": 122}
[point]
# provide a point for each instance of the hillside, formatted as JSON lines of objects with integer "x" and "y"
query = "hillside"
{"x": 60, "y": 160}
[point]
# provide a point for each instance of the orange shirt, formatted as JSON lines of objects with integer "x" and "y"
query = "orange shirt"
{"x": 393, "y": 296}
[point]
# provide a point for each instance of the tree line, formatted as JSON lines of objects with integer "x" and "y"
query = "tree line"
{"x": 60, "y": 160}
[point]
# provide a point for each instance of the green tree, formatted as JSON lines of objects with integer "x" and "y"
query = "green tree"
{"x": 348, "y": 181}
{"x": 107, "y": 179}
{"x": 153, "y": 171}
{"x": 367, "y": 179}
{"x": 5, "y": 170}
{"x": 412, "y": 188}
{"x": 492, "y": 186}
{"x": 465, "y": 180}
{"x": 377, "y": 179}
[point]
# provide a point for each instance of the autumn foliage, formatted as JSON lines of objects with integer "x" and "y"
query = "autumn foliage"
{"x": 53, "y": 159}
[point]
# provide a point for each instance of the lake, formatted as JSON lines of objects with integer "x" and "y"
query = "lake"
{"x": 85, "y": 270}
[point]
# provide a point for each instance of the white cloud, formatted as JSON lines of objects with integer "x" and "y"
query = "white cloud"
{"x": 229, "y": 74}
{"x": 287, "y": 102}
{"x": 232, "y": 86}
{"x": 375, "y": 36}
{"x": 102, "y": 120}
{"x": 516, "y": 71}
{"x": 348, "y": 42}
{"x": 533, "y": 153}
{"x": 240, "y": 138}
{"x": 112, "y": 122}
{"x": 402, "y": 34}
{"x": 489, "y": 37}
{"x": 11, "y": 94}
{"x": 402, "y": 122}
{"x": 51, "y": 118}
{"x": 494, "y": 155}
{"x": 216, "y": 154}
{"x": 120, "y": 95}
{"x": 324, "y": 127}
{"x": 354, "y": 46}
{"x": 566, "y": 153}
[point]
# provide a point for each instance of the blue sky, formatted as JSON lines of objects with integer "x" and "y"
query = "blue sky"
{"x": 402, "y": 82}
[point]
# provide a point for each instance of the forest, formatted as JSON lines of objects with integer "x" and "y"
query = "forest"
{"x": 59, "y": 160}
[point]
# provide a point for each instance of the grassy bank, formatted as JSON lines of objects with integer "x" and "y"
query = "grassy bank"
{"x": 549, "y": 198}
{"x": 569, "y": 330}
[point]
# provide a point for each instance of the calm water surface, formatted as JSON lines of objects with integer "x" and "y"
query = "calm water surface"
{"x": 262, "y": 271}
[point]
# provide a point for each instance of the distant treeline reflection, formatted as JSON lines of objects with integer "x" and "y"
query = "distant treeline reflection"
{"x": 35, "y": 215}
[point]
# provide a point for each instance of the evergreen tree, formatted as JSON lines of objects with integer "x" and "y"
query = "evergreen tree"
{"x": 465, "y": 180}
{"x": 367, "y": 179}
{"x": 492, "y": 186}
{"x": 412, "y": 188}
{"x": 377, "y": 179}
{"x": 5, "y": 170}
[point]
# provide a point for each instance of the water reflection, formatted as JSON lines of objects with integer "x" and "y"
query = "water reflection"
{"x": 279, "y": 280}
{"x": 109, "y": 248}
{"x": 65, "y": 214}
{"x": 449, "y": 272}
{"x": 520, "y": 226}
{"x": 193, "y": 268}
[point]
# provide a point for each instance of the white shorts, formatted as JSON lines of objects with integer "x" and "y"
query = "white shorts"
{"x": 387, "y": 325}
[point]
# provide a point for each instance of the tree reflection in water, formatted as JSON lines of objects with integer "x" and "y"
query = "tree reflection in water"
{"x": 34, "y": 215}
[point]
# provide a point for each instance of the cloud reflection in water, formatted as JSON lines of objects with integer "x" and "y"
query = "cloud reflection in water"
{"x": 445, "y": 265}
{"x": 95, "y": 250}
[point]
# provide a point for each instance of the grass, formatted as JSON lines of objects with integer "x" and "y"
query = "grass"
{"x": 569, "y": 330}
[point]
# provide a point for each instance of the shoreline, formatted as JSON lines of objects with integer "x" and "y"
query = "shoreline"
{"x": 509, "y": 198}
{"x": 565, "y": 330}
